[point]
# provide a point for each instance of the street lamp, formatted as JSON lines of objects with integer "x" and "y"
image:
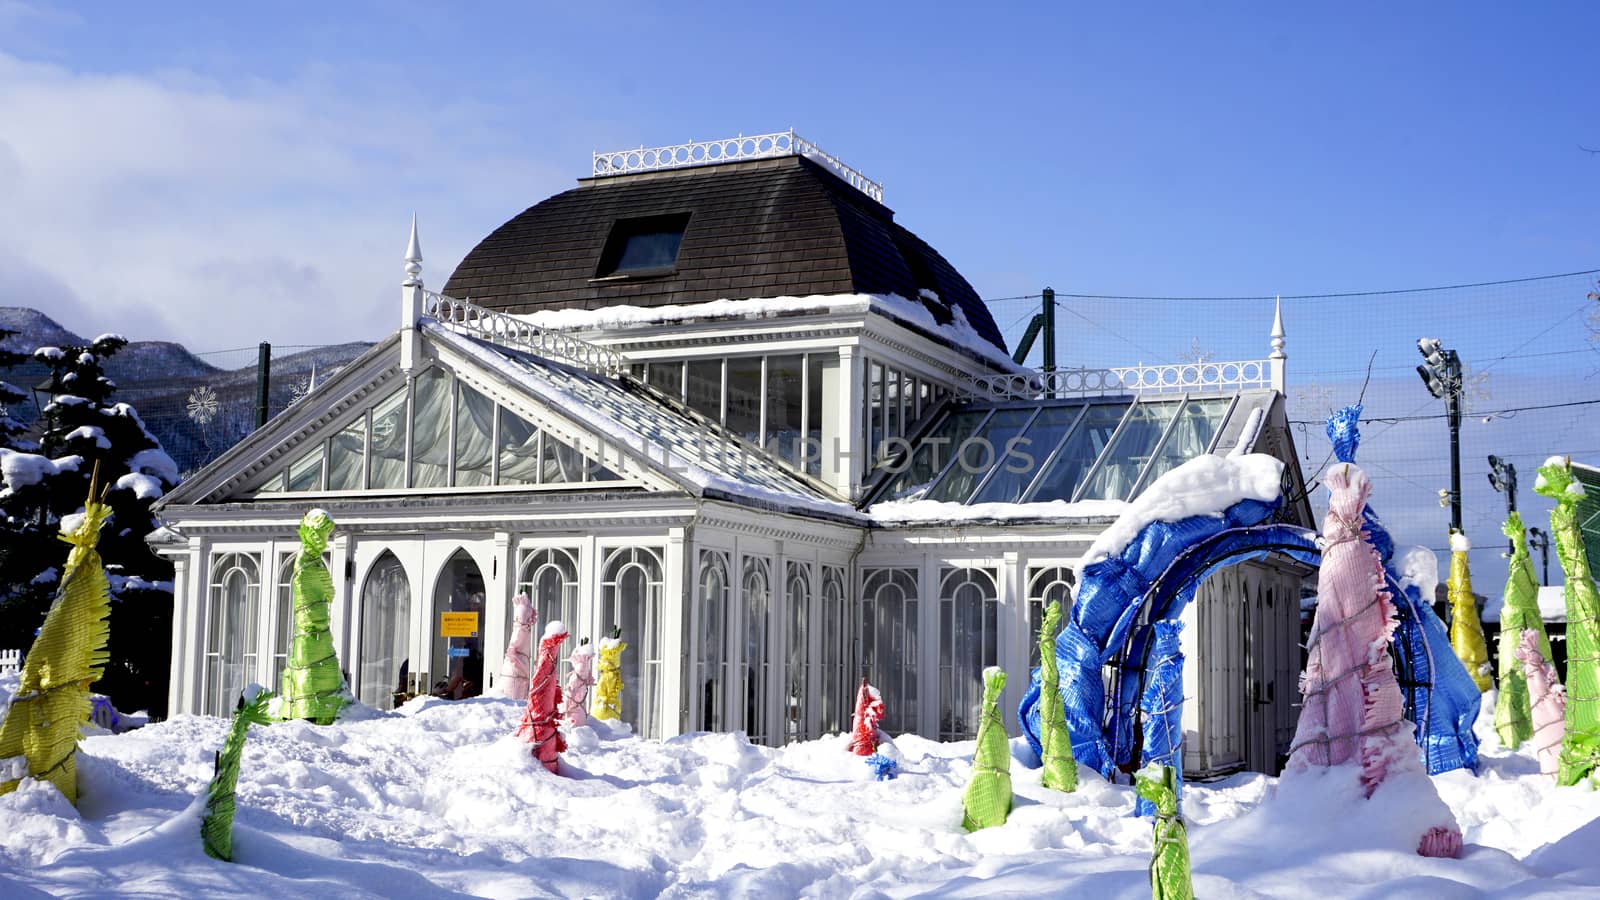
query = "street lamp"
{"x": 1540, "y": 541}
{"x": 1503, "y": 478}
{"x": 1441, "y": 372}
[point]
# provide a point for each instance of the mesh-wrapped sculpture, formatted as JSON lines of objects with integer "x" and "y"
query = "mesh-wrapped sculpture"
{"x": 1353, "y": 708}
{"x": 1157, "y": 786}
{"x": 216, "y": 828}
{"x": 987, "y": 800}
{"x": 1520, "y": 612}
{"x": 1055, "y": 742}
{"x": 313, "y": 685}
{"x": 864, "y": 724}
{"x": 1580, "y": 749}
{"x": 68, "y": 655}
{"x": 1466, "y": 629}
{"x": 608, "y": 691}
{"x": 514, "y": 671}
{"x": 575, "y": 705}
{"x": 1548, "y": 702}
{"x": 1442, "y": 700}
{"x": 544, "y": 697}
{"x": 1161, "y": 707}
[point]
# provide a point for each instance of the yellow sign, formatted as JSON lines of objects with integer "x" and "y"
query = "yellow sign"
{"x": 458, "y": 624}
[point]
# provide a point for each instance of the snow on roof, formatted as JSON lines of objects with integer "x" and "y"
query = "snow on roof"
{"x": 626, "y": 419}
{"x": 959, "y": 332}
{"x": 1205, "y": 485}
{"x": 1552, "y": 605}
{"x": 917, "y": 512}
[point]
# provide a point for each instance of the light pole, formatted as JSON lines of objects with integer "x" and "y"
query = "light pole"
{"x": 1441, "y": 372}
{"x": 1503, "y": 478}
{"x": 1540, "y": 541}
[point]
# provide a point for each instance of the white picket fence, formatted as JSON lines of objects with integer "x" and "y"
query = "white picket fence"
{"x": 10, "y": 662}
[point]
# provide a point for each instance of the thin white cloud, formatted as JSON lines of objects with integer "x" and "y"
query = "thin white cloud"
{"x": 173, "y": 206}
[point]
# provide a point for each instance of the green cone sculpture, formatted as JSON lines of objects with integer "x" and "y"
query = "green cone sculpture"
{"x": 1055, "y": 743}
{"x": 1513, "y": 717}
{"x": 1580, "y": 749}
{"x": 1169, "y": 857}
{"x": 987, "y": 801}
{"x": 313, "y": 687}
{"x": 52, "y": 700}
{"x": 216, "y": 829}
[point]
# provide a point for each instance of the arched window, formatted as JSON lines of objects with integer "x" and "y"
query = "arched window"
{"x": 231, "y": 630}
{"x": 385, "y": 633}
{"x": 969, "y": 619}
{"x": 835, "y": 683}
{"x": 711, "y": 665}
{"x": 549, "y": 576}
{"x": 1045, "y": 585}
{"x": 458, "y": 658}
{"x": 630, "y": 593}
{"x": 797, "y": 699}
{"x": 755, "y": 588}
{"x": 889, "y": 643}
{"x": 283, "y": 618}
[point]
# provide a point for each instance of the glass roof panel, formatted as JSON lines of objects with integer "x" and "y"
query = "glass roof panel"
{"x": 976, "y": 458}
{"x": 1192, "y": 436}
{"x": 1011, "y": 477}
{"x": 1078, "y": 452}
{"x": 1125, "y": 459}
{"x": 932, "y": 453}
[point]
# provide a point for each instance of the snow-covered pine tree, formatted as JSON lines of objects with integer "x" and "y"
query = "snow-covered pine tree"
{"x": 11, "y": 430}
{"x": 81, "y": 426}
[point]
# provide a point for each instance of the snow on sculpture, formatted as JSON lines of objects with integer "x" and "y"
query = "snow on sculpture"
{"x": 514, "y": 671}
{"x": 216, "y": 828}
{"x": 987, "y": 800}
{"x": 1580, "y": 749}
{"x": 1157, "y": 786}
{"x": 575, "y": 706}
{"x": 1466, "y": 630}
{"x": 544, "y": 696}
{"x": 864, "y": 724}
{"x": 68, "y": 655}
{"x": 313, "y": 685}
{"x": 1520, "y": 612}
{"x": 1547, "y": 700}
{"x": 1352, "y": 712}
{"x": 1055, "y": 743}
{"x": 608, "y": 690}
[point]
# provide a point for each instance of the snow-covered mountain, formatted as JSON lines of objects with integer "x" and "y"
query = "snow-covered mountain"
{"x": 171, "y": 387}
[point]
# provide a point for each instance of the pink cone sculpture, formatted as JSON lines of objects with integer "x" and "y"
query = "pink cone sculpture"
{"x": 544, "y": 696}
{"x": 869, "y": 712}
{"x": 1548, "y": 702}
{"x": 514, "y": 671}
{"x": 576, "y": 705}
{"x": 1353, "y": 710}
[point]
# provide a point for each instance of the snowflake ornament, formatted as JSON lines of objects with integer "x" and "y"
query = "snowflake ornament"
{"x": 202, "y": 405}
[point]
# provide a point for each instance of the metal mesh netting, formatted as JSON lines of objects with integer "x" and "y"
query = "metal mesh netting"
{"x": 1523, "y": 343}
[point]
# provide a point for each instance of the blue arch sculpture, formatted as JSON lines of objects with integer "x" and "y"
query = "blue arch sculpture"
{"x": 1155, "y": 577}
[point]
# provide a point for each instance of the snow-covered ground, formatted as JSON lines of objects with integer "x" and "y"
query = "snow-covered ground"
{"x": 439, "y": 800}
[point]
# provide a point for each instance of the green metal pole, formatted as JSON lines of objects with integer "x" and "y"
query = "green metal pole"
{"x": 263, "y": 380}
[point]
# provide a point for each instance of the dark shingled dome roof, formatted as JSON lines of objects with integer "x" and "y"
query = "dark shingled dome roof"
{"x": 772, "y": 228}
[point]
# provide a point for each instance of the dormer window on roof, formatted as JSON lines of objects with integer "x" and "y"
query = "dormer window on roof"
{"x": 643, "y": 246}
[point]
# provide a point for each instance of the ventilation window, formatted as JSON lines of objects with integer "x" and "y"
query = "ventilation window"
{"x": 647, "y": 246}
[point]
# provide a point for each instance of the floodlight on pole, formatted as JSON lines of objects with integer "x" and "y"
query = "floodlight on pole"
{"x": 1503, "y": 478}
{"x": 1441, "y": 374}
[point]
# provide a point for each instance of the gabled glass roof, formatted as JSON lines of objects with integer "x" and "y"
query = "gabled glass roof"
{"x": 1098, "y": 449}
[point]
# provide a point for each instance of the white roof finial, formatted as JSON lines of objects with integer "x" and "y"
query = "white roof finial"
{"x": 413, "y": 258}
{"x": 1277, "y": 330}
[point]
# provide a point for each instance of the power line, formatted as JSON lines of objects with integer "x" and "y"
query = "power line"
{"x": 1395, "y": 420}
{"x": 1332, "y": 296}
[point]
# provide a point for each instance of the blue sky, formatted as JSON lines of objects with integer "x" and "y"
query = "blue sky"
{"x": 222, "y": 175}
